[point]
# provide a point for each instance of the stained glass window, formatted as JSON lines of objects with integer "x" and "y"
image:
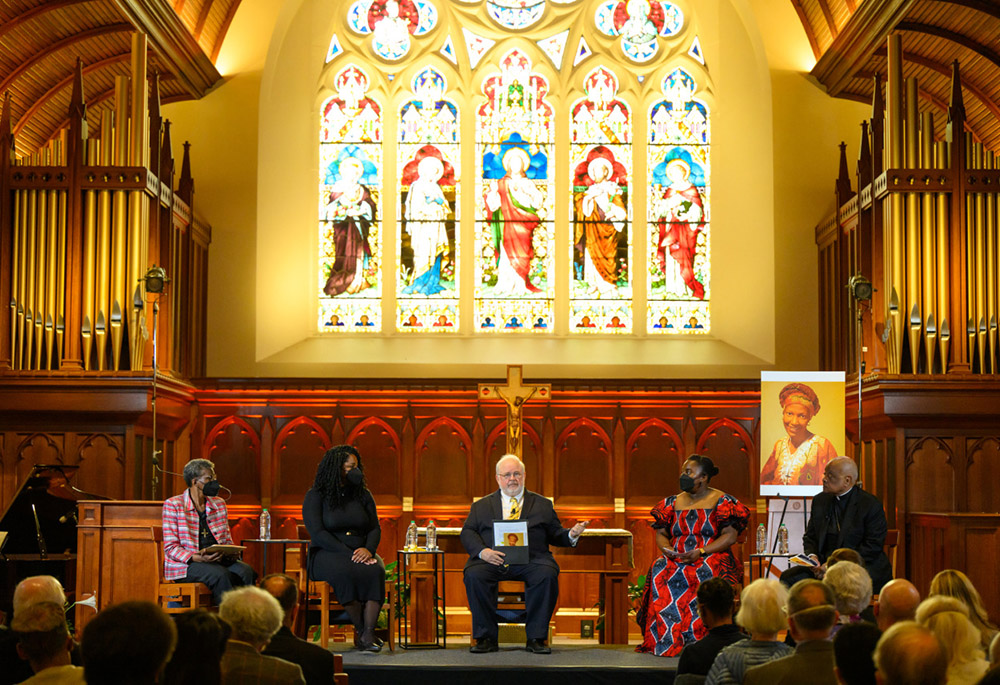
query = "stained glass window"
{"x": 428, "y": 162}
{"x": 391, "y": 23}
{"x": 678, "y": 209}
{"x": 601, "y": 169}
{"x": 515, "y": 14}
{"x": 514, "y": 200}
{"x": 350, "y": 180}
{"x": 639, "y": 22}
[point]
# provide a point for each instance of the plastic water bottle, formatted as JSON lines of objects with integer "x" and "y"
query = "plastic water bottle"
{"x": 432, "y": 536}
{"x": 782, "y": 539}
{"x": 265, "y": 525}
{"x": 411, "y": 536}
{"x": 762, "y": 539}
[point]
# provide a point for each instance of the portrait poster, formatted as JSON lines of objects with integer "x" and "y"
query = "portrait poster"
{"x": 511, "y": 538}
{"x": 801, "y": 430}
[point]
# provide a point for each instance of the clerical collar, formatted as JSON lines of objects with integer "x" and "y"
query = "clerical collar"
{"x": 843, "y": 495}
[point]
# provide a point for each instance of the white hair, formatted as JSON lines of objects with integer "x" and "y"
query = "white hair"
{"x": 254, "y": 614}
{"x": 508, "y": 457}
{"x": 851, "y": 585}
{"x": 762, "y": 606}
{"x": 38, "y": 589}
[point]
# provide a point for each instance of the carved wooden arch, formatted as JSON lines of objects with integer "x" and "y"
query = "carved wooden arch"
{"x": 295, "y": 423}
{"x": 982, "y": 467}
{"x": 737, "y": 428}
{"x": 532, "y": 463}
{"x": 28, "y": 442}
{"x": 101, "y": 476}
{"x": 244, "y": 484}
{"x": 373, "y": 420}
{"x": 384, "y": 476}
{"x": 449, "y": 479}
{"x": 651, "y": 481}
{"x": 742, "y": 481}
{"x": 590, "y": 475}
{"x": 930, "y": 483}
{"x": 667, "y": 428}
{"x": 292, "y": 478}
{"x": 918, "y": 445}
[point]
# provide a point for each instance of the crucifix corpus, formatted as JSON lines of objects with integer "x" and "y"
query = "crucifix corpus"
{"x": 514, "y": 394}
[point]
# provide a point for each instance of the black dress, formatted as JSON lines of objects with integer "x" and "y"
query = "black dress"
{"x": 334, "y": 535}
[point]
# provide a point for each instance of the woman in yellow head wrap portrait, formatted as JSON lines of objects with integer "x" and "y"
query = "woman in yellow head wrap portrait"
{"x": 800, "y": 457}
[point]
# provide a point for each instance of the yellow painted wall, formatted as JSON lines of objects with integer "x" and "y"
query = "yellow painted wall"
{"x": 254, "y": 162}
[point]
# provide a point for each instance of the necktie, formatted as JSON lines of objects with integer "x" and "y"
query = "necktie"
{"x": 515, "y": 512}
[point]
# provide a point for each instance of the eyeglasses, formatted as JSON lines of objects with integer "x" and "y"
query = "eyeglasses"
{"x": 511, "y": 475}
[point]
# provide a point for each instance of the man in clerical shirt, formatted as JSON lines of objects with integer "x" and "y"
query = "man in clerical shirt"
{"x": 486, "y": 566}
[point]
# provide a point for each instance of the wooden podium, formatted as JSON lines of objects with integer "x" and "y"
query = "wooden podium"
{"x": 116, "y": 555}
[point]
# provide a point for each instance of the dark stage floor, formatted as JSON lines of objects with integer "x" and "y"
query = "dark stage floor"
{"x": 567, "y": 665}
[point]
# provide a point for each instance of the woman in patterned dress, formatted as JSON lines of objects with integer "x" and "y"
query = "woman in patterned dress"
{"x": 694, "y": 531}
{"x": 801, "y": 456}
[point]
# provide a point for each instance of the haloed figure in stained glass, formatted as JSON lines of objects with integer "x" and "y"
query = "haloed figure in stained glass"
{"x": 352, "y": 210}
{"x": 681, "y": 214}
{"x": 426, "y": 210}
{"x": 601, "y": 213}
{"x": 514, "y": 207}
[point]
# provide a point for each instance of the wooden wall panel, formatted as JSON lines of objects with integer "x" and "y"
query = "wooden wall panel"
{"x": 930, "y": 475}
{"x": 732, "y": 450}
{"x": 299, "y": 447}
{"x": 443, "y": 463}
{"x": 583, "y": 464}
{"x": 653, "y": 457}
{"x": 378, "y": 444}
{"x": 101, "y": 459}
{"x": 234, "y": 446}
{"x": 984, "y": 469}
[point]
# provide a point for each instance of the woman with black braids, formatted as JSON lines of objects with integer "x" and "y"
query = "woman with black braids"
{"x": 339, "y": 513}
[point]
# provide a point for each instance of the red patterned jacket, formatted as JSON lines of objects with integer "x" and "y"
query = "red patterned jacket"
{"x": 180, "y": 531}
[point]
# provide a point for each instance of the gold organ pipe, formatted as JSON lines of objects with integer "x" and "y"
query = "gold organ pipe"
{"x": 977, "y": 334}
{"x": 941, "y": 238}
{"x": 17, "y": 283}
{"x": 119, "y": 252}
{"x": 51, "y": 277}
{"x": 912, "y": 219}
{"x": 41, "y": 234}
{"x": 991, "y": 267}
{"x": 89, "y": 262}
{"x": 103, "y": 287}
{"x": 927, "y": 262}
{"x": 893, "y": 242}
{"x": 60, "y": 313}
{"x": 138, "y": 154}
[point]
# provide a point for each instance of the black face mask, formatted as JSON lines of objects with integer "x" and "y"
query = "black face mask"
{"x": 211, "y": 488}
{"x": 355, "y": 477}
{"x": 687, "y": 483}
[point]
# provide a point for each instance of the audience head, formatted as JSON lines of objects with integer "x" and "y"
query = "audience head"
{"x": 851, "y": 585}
{"x": 195, "y": 469}
{"x": 840, "y": 475}
{"x": 853, "y": 646}
{"x": 127, "y": 643}
{"x": 43, "y": 636}
{"x": 844, "y": 554}
{"x": 910, "y": 654}
{"x": 762, "y": 607}
{"x": 959, "y": 637}
{"x": 952, "y": 583}
{"x": 37, "y": 589}
{"x": 201, "y": 640}
{"x": 716, "y": 597}
{"x": 897, "y": 601}
{"x": 254, "y": 615}
{"x": 811, "y": 610}
{"x": 283, "y": 589}
{"x": 936, "y": 604}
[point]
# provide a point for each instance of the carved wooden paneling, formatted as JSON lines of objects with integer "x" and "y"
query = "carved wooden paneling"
{"x": 378, "y": 444}
{"x": 930, "y": 475}
{"x": 583, "y": 463}
{"x": 101, "y": 459}
{"x": 731, "y": 448}
{"x": 38, "y": 448}
{"x": 234, "y": 447}
{"x": 653, "y": 455}
{"x": 299, "y": 447}
{"x": 443, "y": 463}
{"x": 983, "y": 473}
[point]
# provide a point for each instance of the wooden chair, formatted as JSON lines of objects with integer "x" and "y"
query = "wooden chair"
{"x": 317, "y": 594}
{"x": 176, "y": 598}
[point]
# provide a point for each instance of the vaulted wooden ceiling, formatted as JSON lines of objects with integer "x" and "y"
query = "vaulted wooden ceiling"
{"x": 848, "y": 38}
{"x": 41, "y": 40}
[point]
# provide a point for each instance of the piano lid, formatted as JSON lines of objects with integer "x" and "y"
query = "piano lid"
{"x": 41, "y": 519}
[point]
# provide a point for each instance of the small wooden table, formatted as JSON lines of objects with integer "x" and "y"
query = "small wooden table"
{"x": 256, "y": 555}
{"x": 424, "y": 614}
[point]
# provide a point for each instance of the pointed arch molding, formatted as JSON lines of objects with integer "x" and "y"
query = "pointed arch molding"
{"x": 443, "y": 471}
{"x": 373, "y": 421}
{"x": 584, "y": 454}
{"x": 651, "y": 474}
{"x": 713, "y": 428}
{"x": 241, "y": 472}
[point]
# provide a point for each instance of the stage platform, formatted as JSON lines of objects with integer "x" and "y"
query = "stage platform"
{"x": 567, "y": 665}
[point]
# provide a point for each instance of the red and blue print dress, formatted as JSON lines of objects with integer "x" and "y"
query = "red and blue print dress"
{"x": 668, "y": 613}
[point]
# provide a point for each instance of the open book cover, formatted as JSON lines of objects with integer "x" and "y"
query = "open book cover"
{"x": 225, "y": 549}
{"x": 511, "y": 538}
{"x": 802, "y": 560}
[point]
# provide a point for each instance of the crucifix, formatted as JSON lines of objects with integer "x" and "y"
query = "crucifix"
{"x": 514, "y": 394}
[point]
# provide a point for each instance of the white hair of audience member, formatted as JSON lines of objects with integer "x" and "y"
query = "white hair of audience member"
{"x": 254, "y": 615}
{"x": 762, "y": 607}
{"x": 935, "y": 604}
{"x": 38, "y": 589}
{"x": 966, "y": 662}
{"x": 851, "y": 585}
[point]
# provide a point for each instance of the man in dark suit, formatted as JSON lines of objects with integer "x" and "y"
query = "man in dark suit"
{"x": 486, "y": 566}
{"x": 844, "y": 515}
{"x": 811, "y": 617}
{"x": 317, "y": 663}
{"x": 255, "y": 616}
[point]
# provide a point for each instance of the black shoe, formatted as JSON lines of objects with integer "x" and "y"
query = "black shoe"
{"x": 484, "y": 645}
{"x": 373, "y": 647}
{"x": 537, "y": 647}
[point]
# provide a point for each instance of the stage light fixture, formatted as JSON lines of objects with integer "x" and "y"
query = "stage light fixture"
{"x": 155, "y": 280}
{"x": 860, "y": 287}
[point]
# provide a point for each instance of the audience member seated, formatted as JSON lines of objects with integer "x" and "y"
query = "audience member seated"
{"x": 936, "y": 604}
{"x": 897, "y": 602}
{"x": 852, "y": 591}
{"x": 30, "y": 591}
{"x": 994, "y": 654}
{"x": 127, "y": 644}
{"x": 909, "y": 654}
{"x": 762, "y": 615}
{"x": 952, "y": 583}
{"x": 715, "y": 606}
{"x": 852, "y": 652}
{"x": 201, "y": 640}
{"x": 811, "y": 617}
{"x": 44, "y": 642}
{"x": 844, "y": 554}
{"x": 966, "y": 662}
{"x": 316, "y": 662}
{"x": 255, "y": 616}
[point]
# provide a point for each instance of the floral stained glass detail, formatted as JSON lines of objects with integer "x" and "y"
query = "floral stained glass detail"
{"x": 515, "y": 14}
{"x": 428, "y": 159}
{"x": 514, "y": 253}
{"x": 679, "y": 162}
{"x": 477, "y": 47}
{"x": 696, "y": 52}
{"x": 601, "y": 249}
{"x": 350, "y": 233}
{"x": 554, "y": 47}
{"x": 583, "y": 51}
{"x": 334, "y": 49}
{"x": 448, "y": 50}
{"x": 391, "y": 23}
{"x": 639, "y": 22}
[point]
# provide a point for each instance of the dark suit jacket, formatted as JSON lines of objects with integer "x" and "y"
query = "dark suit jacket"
{"x": 544, "y": 528}
{"x": 811, "y": 663}
{"x": 862, "y": 529}
{"x": 242, "y": 665}
{"x": 316, "y": 662}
